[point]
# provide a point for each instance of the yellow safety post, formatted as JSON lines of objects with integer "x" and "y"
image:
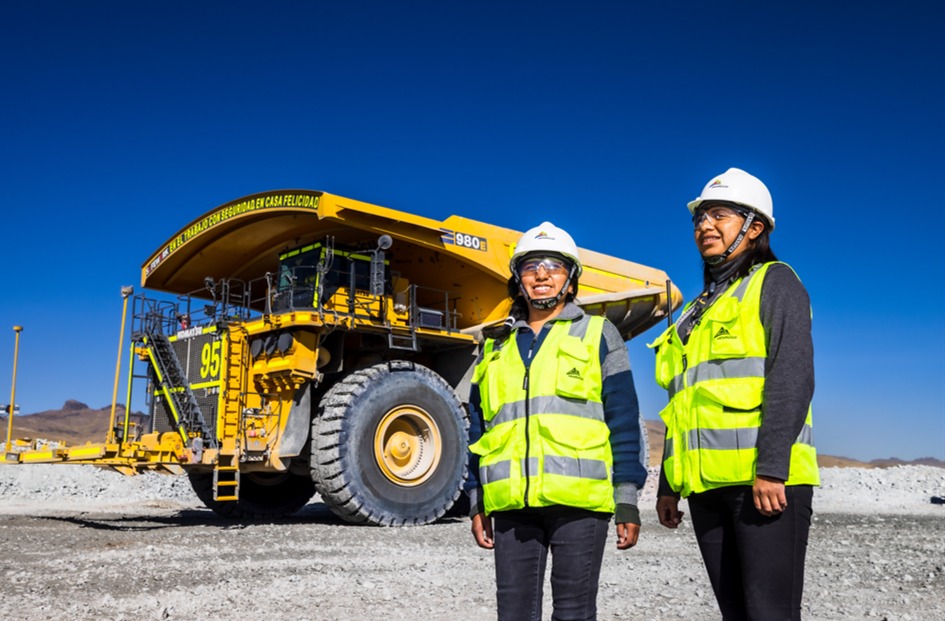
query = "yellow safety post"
{"x": 131, "y": 373}
{"x": 125, "y": 293}
{"x": 12, "y": 406}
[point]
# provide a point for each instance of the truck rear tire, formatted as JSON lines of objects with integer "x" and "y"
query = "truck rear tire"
{"x": 262, "y": 495}
{"x": 389, "y": 446}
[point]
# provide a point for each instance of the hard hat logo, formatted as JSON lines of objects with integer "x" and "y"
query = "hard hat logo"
{"x": 548, "y": 233}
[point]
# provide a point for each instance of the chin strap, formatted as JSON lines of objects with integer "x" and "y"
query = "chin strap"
{"x": 719, "y": 259}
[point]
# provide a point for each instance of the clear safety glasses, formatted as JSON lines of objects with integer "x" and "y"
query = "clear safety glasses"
{"x": 530, "y": 267}
{"x": 715, "y": 215}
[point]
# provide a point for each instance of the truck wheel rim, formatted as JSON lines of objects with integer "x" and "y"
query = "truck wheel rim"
{"x": 407, "y": 445}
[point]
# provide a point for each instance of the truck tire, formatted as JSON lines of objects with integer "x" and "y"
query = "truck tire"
{"x": 389, "y": 446}
{"x": 262, "y": 495}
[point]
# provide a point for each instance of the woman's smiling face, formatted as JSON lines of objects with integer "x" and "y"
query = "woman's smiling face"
{"x": 542, "y": 277}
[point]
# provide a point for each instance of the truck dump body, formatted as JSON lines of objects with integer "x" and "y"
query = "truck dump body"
{"x": 242, "y": 240}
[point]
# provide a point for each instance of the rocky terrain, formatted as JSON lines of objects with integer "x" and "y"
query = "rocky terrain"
{"x": 81, "y": 543}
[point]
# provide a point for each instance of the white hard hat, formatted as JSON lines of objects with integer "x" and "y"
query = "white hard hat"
{"x": 737, "y": 186}
{"x": 546, "y": 237}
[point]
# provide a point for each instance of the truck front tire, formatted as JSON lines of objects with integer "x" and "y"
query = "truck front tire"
{"x": 389, "y": 446}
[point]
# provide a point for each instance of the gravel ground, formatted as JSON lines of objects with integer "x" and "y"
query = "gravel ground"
{"x": 81, "y": 543}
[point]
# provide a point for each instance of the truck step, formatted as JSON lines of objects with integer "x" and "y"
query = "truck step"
{"x": 404, "y": 342}
{"x": 226, "y": 483}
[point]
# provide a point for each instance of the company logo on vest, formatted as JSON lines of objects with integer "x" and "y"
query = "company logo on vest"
{"x": 723, "y": 333}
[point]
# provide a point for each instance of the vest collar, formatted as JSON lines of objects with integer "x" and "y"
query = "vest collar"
{"x": 570, "y": 312}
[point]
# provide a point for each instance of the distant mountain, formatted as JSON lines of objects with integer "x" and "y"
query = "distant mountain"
{"x": 75, "y": 423}
{"x": 656, "y": 432}
{"x": 895, "y": 461}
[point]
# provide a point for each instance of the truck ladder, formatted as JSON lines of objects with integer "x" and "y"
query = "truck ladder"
{"x": 226, "y": 472}
{"x": 232, "y": 404}
{"x": 176, "y": 389}
{"x": 226, "y": 482}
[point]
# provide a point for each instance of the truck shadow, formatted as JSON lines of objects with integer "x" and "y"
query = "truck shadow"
{"x": 314, "y": 513}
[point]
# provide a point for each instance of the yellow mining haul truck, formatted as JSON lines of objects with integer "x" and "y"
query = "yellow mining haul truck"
{"x": 309, "y": 342}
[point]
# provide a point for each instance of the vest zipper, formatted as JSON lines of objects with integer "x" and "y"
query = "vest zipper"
{"x": 528, "y": 368}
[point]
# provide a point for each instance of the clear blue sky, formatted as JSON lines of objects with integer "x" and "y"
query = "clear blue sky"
{"x": 122, "y": 121}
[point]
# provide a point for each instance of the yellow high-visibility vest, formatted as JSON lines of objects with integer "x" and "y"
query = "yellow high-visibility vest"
{"x": 716, "y": 389}
{"x": 545, "y": 440}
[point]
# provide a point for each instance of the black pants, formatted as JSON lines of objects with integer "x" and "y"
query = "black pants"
{"x": 576, "y": 539}
{"x": 755, "y": 563}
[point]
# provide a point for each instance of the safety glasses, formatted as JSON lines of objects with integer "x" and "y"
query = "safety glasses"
{"x": 530, "y": 267}
{"x": 715, "y": 215}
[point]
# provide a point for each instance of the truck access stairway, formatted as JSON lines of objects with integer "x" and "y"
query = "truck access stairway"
{"x": 174, "y": 386}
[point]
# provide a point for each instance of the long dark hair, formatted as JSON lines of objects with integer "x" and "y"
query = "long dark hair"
{"x": 759, "y": 251}
{"x": 519, "y": 311}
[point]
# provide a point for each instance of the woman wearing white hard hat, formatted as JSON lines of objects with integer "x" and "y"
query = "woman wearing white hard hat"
{"x": 554, "y": 427}
{"x": 738, "y": 366}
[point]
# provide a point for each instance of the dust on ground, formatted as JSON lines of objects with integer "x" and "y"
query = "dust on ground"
{"x": 81, "y": 543}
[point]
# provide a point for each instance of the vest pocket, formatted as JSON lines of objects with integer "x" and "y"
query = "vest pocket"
{"x": 493, "y": 441}
{"x": 728, "y": 418}
{"x": 726, "y": 337}
{"x": 728, "y": 466}
{"x": 576, "y": 470}
{"x": 731, "y": 395}
{"x": 499, "y": 469}
{"x": 573, "y": 371}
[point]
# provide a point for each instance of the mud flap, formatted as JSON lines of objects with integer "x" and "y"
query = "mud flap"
{"x": 298, "y": 424}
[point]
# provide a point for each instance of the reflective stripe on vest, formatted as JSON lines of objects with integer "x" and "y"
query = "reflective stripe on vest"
{"x": 732, "y": 368}
{"x": 551, "y": 444}
{"x": 716, "y": 387}
{"x": 583, "y": 409}
{"x": 739, "y": 437}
